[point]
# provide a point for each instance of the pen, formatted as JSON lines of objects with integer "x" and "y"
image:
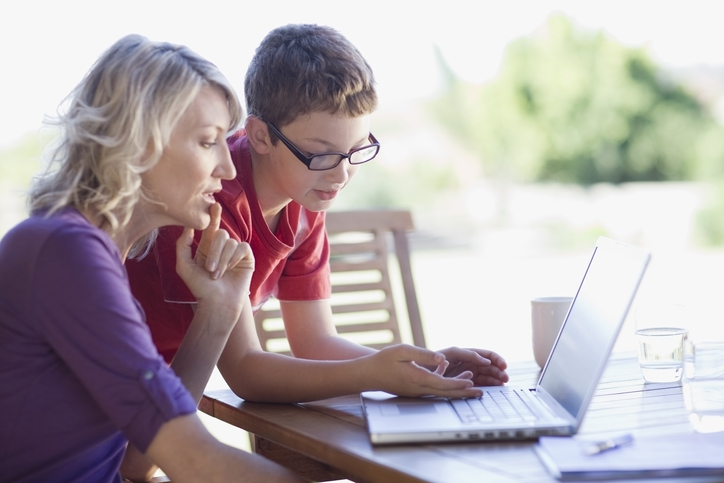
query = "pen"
{"x": 609, "y": 444}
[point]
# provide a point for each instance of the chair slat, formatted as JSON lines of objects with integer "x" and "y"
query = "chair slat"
{"x": 363, "y": 307}
{"x": 359, "y": 243}
{"x": 361, "y": 287}
{"x": 378, "y": 264}
{"x": 349, "y": 329}
{"x": 372, "y": 246}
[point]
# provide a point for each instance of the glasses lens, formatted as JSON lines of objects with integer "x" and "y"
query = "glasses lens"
{"x": 324, "y": 161}
{"x": 320, "y": 162}
{"x": 363, "y": 155}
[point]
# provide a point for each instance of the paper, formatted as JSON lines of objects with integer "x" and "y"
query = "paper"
{"x": 675, "y": 455}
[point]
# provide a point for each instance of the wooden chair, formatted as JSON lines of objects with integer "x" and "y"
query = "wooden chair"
{"x": 363, "y": 302}
{"x": 363, "y": 282}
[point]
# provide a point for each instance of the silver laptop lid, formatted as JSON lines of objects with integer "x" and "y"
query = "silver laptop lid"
{"x": 592, "y": 325}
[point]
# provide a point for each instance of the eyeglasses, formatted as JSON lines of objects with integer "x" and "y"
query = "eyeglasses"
{"x": 324, "y": 161}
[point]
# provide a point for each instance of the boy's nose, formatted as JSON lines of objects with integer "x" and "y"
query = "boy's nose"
{"x": 340, "y": 173}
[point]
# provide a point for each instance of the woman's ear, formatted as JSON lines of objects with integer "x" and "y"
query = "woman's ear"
{"x": 257, "y": 132}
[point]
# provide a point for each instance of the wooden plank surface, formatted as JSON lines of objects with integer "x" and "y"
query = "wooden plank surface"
{"x": 333, "y": 431}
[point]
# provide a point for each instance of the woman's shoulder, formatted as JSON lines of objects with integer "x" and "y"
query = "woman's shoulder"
{"x": 41, "y": 224}
{"x": 65, "y": 229}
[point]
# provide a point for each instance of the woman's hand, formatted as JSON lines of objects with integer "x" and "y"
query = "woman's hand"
{"x": 221, "y": 270}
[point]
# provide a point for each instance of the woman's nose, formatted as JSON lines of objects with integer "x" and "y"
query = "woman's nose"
{"x": 225, "y": 168}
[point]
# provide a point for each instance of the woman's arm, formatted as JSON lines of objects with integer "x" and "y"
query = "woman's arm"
{"x": 219, "y": 276}
{"x": 186, "y": 452}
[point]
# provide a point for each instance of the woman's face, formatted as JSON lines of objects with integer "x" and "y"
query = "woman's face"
{"x": 192, "y": 165}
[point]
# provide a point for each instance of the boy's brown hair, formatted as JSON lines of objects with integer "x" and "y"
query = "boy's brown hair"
{"x": 299, "y": 69}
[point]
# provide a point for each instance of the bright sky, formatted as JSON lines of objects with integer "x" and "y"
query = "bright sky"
{"x": 46, "y": 46}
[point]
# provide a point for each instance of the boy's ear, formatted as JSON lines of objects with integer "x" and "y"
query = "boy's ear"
{"x": 257, "y": 132}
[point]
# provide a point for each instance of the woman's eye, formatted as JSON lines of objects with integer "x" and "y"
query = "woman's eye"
{"x": 208, "y": 144}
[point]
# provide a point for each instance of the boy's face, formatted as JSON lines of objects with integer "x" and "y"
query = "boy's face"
{"x": 315, "y": 133}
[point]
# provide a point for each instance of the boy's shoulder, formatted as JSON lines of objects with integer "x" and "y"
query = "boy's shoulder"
{"x": 236, "y": 137}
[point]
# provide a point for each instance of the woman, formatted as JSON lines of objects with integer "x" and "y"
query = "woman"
{"x": 143, "y": 146}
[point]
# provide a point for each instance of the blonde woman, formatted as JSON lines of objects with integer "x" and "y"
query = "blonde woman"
{"x": 143, "y": 146}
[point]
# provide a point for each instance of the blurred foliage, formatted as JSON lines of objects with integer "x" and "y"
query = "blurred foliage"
{"x": 379, "y": 186}
{"x": 20, "y": 162}
{"x": 709, "y": 222}
{"x": 578, "y": 107}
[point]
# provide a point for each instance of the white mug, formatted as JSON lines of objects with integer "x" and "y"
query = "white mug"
{"x": 547, "y": 316}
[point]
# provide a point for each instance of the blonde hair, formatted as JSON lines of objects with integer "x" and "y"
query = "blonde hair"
{"x": 304, "y": 68}
{"x": 119, "y": 119}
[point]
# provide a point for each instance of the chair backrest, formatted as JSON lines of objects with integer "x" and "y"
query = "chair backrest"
{"x": 363, "y": 285}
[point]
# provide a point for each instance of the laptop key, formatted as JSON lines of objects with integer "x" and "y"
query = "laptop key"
{"x": 495, "y": 406}
{"x": 480, "y": 409}
{"x": 469, "y": 411}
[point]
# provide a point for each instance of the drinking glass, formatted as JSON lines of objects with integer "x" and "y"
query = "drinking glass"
{"x": 661, "y": 330}
{"x": 704, "y": 385}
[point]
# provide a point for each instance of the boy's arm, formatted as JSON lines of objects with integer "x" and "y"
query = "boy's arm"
{"x": 256, "y": 375}
{"x": 312, "y": 335}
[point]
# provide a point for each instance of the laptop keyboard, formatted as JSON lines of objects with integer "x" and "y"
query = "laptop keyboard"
{"x": 497, "y": 407}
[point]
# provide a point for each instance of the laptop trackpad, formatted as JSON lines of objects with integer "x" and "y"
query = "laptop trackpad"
{"x": 411, "y": 408}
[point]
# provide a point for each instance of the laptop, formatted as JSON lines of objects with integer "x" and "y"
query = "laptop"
{"x": 558, "y": 403}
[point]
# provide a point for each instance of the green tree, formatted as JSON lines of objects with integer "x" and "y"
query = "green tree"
{"x": 574, "y": 106}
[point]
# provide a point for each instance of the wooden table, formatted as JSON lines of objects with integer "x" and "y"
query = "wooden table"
{"x": 327, "y": 439}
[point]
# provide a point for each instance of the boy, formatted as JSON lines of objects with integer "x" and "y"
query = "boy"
{"x": 309, "y": 94}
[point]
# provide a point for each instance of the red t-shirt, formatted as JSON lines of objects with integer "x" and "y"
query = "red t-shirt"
{"x": 291, "y": 264}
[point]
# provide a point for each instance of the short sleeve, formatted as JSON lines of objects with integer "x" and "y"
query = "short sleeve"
{"x": 306, "y": 274}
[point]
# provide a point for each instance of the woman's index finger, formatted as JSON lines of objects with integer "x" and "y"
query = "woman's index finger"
{"x": 208, "y": 234}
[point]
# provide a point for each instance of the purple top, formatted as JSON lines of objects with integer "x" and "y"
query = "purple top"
{"x": 79, "y": 373}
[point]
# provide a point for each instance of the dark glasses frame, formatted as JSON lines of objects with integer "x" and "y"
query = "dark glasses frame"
{"x": 309, "y": 160}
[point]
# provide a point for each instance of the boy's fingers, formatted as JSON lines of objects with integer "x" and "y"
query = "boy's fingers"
{"x": 462, "y": 387}
{"x": 424, "y": 357}
{"x": 472, "y": 356}
{"x": 442, "y": 368}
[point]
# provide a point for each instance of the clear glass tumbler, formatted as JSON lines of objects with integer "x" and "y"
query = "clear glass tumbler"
{"x": 704, "y": 385}
{"x": 660, "y": 335}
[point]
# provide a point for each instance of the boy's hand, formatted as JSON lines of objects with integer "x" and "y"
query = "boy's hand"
{"x": 401, "y": 370}
{"x": 487, "y": 367}
{"x": 222, "y": 268}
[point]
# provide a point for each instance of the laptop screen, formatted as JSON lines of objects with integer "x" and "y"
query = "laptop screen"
{"x": 592, "y": 324}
